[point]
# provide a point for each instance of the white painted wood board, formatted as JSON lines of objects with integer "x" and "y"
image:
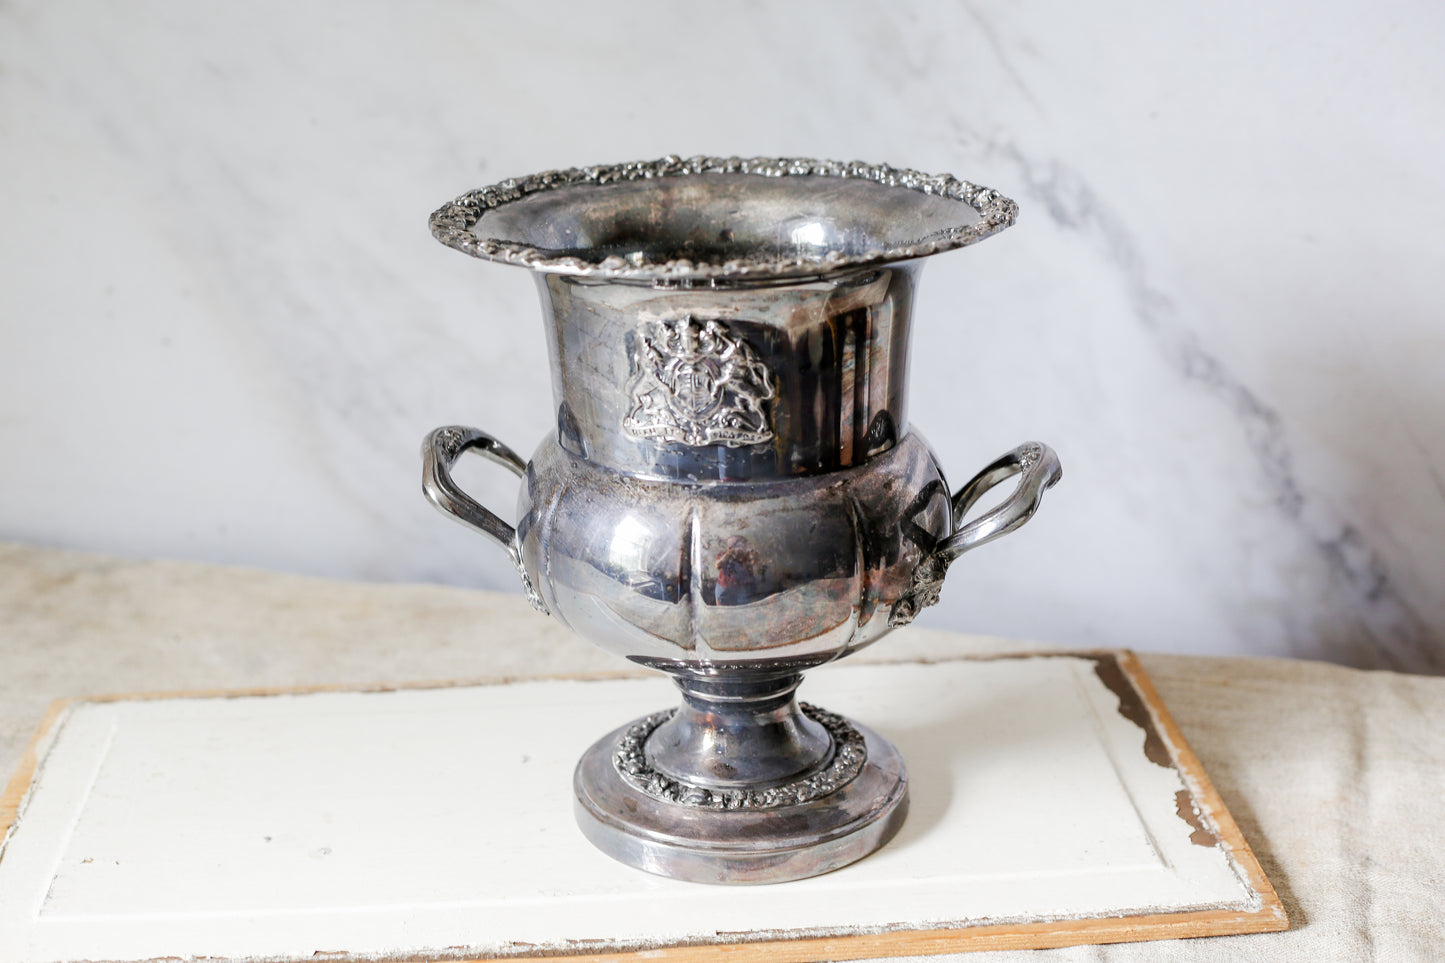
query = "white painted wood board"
{"x": 438, "y": 822}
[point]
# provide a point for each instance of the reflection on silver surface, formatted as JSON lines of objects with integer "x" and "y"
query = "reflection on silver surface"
{"x": 733, "y": 493}
{"x": 685, "y": 574}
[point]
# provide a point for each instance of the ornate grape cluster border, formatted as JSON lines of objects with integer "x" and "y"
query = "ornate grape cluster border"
{"x": 850, "y": 752}
{"x": 452, "y": 223}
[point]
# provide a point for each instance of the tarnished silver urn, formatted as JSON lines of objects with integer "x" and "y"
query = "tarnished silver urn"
{"x": 733, "y": 494}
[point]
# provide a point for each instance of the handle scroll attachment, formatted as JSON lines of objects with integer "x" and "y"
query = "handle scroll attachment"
{"x": 439, "y": 452}
{"x": 1040, "y": 470}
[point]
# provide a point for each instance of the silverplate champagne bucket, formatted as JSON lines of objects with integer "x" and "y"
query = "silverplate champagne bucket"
{"x": 734, "y": 493}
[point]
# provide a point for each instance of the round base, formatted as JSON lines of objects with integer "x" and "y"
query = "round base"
{"x": 741, "y": 845}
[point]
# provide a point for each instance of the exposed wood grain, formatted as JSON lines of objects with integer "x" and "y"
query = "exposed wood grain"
{"x": 19, "y": 786}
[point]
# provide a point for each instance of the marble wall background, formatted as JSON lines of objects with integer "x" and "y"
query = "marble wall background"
{"x": 224, "y": 328}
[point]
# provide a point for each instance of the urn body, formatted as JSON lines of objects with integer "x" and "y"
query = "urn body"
{"x": 733, "y": 493}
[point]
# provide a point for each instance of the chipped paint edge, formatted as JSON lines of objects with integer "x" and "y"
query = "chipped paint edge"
{"x": 17, "y": 790}
{"x": 1206, "y": 798}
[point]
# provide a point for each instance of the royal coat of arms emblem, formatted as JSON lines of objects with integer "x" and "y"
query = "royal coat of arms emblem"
{"x": 697, "y": 384}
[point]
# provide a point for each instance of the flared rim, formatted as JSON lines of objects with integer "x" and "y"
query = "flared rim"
{"x": 987, "y": 213}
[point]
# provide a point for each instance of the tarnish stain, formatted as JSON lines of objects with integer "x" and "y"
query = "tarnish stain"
{"x": 1202, "y": 835}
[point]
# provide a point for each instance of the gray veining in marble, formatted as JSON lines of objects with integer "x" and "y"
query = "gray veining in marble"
{"x": 224, "y": 328}
{"x": 1385, "y": 621}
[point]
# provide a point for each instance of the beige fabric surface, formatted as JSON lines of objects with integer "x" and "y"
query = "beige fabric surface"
{"x": 1335, "y": 776}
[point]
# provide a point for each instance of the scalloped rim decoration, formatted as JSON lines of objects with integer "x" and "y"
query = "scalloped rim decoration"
{"x": 452, "y": 223}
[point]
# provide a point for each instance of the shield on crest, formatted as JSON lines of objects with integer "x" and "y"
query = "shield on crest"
{"x": 695, "y": 383}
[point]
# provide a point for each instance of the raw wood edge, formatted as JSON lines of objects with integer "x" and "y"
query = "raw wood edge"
{"x": 964, "y": 939}
{"x": 1204, "y": 793}
{"x": 13, "y": 798}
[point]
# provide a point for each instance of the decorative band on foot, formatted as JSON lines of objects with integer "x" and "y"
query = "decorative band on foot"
{"x": 849, "y": 754}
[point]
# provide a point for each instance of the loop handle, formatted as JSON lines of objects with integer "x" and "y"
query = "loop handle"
{"x": 1040, "y": 468}
{"x": 438, "y": 453}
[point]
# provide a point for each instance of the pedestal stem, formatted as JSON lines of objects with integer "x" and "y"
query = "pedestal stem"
{"x": 732, "y": 733}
